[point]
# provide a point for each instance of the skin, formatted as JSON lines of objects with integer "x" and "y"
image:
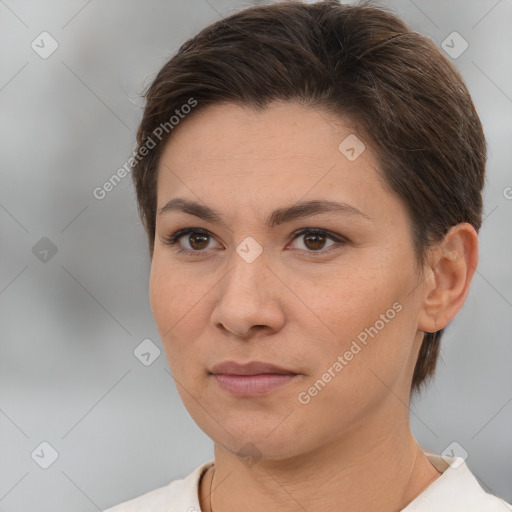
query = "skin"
{"x": 350, "y": 448}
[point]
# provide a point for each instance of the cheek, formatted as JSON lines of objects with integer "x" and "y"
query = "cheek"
{"x": 362, "y": 312}
{"x": 162, "y": 293}
{"x": 345, "y": 297}
{"x": 178, "y": 308}
{"x": 171, "y": 293}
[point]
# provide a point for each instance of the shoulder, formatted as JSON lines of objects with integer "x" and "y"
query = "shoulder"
{"x": 456, "y": 490}
{"x": 179, "y": 495}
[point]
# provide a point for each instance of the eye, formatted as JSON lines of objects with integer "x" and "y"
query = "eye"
{"x": 197, "y": 239}
{"x": 314, "y": 240}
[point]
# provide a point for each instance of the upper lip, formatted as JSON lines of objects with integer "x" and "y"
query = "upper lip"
{"x": 251, "y": 368}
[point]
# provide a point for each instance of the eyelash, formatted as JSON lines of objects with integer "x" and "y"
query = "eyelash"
{"x": 177, "y": 235}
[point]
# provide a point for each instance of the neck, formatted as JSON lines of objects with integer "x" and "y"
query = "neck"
{"x": 386, "y": 474}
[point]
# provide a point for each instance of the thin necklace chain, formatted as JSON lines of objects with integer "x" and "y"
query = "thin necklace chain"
{"x": 408, "y": 480}
{"x": 211, "y": 488}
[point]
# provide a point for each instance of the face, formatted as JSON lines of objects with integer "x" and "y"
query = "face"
{"x": 332, "y": 295}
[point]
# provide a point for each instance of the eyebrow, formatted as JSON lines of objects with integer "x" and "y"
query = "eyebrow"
{"x": 277, "y": 217}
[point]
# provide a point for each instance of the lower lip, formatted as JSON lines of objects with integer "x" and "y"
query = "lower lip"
{"x": 248, "y": 385}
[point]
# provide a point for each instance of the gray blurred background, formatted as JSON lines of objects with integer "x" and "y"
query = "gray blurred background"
{"x": 74, "y": 269}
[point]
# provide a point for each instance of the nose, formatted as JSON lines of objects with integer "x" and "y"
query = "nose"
{"x": 249, "y": 299}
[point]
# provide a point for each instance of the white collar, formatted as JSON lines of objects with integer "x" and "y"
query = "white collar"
{"x": 456, "y": 490}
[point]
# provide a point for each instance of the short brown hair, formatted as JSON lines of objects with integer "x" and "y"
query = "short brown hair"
{"x": 360, "y": 62}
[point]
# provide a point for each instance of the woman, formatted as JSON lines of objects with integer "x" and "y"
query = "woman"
{"x": 310, "y": 180}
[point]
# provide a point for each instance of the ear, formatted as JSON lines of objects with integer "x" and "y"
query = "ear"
{"x": 448, "y": 274}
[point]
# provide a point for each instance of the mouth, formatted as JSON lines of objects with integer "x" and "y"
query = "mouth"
{"x": 251, "y": 385}
{"x": 251, "y": 379}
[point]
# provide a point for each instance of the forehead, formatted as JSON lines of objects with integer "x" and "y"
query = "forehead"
{"x": 285, "y": 152}
{"x": 283, "y": 136}
{"x": 280, "y": 126}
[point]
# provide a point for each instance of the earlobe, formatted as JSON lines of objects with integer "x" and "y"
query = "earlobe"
{"x": 449, "y": 272}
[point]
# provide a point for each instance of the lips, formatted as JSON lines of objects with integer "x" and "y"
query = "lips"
{"x": 252, "y": 379}
{"x": 251, "y": 368}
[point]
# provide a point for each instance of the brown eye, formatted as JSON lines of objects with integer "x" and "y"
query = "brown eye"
{"x": 198, "y": 241}
{"x": 314, "y": 240}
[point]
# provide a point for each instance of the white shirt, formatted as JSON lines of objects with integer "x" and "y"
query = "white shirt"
{"x": 456, "y": 490}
